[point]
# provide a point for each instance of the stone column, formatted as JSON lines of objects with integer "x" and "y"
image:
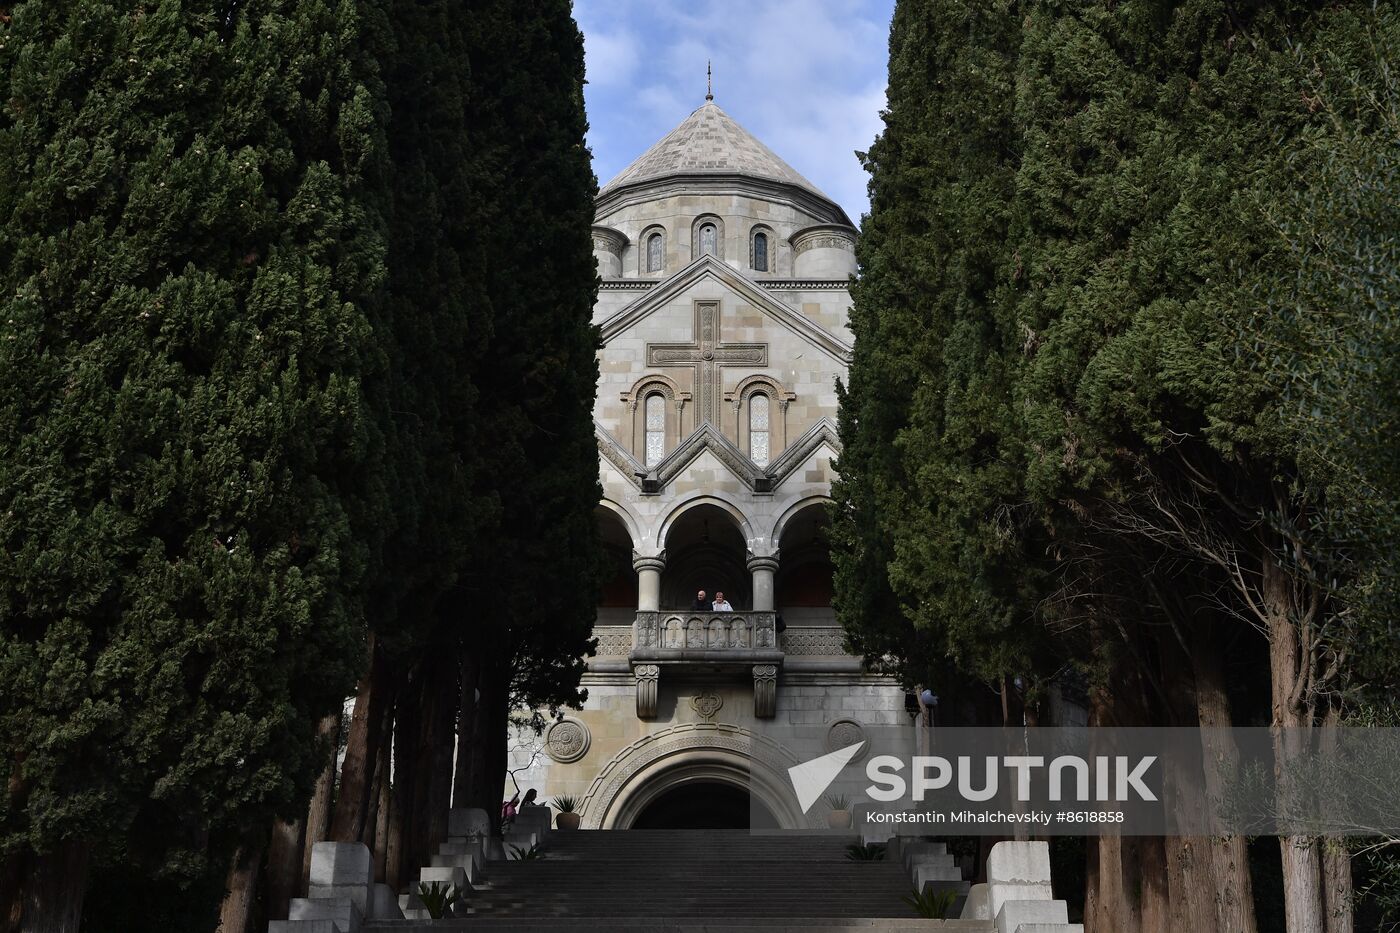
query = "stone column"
{"x": 763, "y": 570}
{"x": 649, "y": 581}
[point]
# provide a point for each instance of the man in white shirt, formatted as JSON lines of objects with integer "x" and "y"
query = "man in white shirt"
{"x": 721, "y": 604}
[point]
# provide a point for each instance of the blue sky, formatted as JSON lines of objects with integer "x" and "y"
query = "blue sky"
{"x": 807, "y": 77}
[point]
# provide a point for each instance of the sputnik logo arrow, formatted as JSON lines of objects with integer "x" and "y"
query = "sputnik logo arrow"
{"x": 811, "y": 778}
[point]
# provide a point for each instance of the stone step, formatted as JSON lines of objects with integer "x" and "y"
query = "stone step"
{"x": 688, "y": 925}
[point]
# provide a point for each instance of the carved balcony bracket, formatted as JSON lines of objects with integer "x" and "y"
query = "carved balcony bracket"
{"x": 765, "y": 690}
{"x": 648, "y": 677}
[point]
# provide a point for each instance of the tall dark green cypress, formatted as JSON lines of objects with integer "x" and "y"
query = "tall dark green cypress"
{"x": 188, "y": 500}
{"x": 1087, "y": 435}
{"x": 534, "y": 577}
{"x": 921, "y": 577}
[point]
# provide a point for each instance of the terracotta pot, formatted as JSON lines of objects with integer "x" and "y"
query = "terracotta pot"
{"x": 567, "y": 820}
{"x": 839, "y": 819}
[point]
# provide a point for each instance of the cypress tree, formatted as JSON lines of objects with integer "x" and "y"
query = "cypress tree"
{"x": 534, "y": 580}
{"x": 918, "y": 469}
{"x": 1056, "y": 416}
{"x": 188, "y": 501}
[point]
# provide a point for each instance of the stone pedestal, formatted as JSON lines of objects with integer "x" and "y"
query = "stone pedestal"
{"x": 468, "y": 823}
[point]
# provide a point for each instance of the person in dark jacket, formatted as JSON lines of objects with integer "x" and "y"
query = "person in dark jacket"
{"x": 702, "y": 602}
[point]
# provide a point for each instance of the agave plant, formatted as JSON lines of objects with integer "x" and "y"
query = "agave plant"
{"x": 838, "y": 802}
{"x": 439, "y": 898}
{"x": 523, "y": 854}
{"x": 870, "y": 852}
{"x": 566, "y": 803}
{"x": 931, "y": 904}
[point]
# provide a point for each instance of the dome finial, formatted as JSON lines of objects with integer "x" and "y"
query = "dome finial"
{"x": 709, "y": 82}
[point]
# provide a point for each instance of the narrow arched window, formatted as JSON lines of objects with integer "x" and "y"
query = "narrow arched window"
{"x": 709, "y": 240}
{"x": 656, "y": 428}
{"x": 758, "y": 428}
{"x": 656, "y": 252}
{"x": 760, "y": 252}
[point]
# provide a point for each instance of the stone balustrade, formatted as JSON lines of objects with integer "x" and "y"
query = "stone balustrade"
{"x": 657, "y": 635}
{"x": 678, "y": 638}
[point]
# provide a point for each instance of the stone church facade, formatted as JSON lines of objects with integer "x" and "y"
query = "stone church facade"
{"x": 723, "y": 315}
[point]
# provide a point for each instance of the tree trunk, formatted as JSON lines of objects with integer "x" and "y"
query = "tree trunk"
{"x": 1189, "y": 862}
{"x": 398, "y": 863}
{"x": 1234, "y": 890}
{"x": 1338, "y": 894}
{"x": 318, "y": 814}
{"x": 283, "y": 867}
{"x": 240, "y": 892}
{"x": 52, "y": 886}
{"x": 487, "y": 749}
{"x": 381, "y": 822}
{"x": 447, "y": 700}
{"x": 1302, "y": 866}
{"x": 438, "y": 706}
{"x": 1109, "y": 906}
{"x": 468, "y": 727}
{"x": 11, "y": 904}
{"x": 394, "y": 875}
{"x": 1155, "y": 903}
{"x": 355, "y": 793}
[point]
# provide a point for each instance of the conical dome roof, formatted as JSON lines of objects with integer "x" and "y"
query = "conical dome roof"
{"x": 710, "y": 142}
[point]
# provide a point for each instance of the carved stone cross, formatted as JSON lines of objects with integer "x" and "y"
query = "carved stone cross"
{"x": 707, "y": 355}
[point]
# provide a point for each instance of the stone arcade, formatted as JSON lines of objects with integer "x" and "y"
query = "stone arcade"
{"x": 723, "y": 317}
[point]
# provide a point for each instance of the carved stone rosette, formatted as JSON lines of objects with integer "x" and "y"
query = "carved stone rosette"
{"x": 844, "y": 733}
{"x": 765, "y": 690}
{"x": 567, "y": 741}
{"x": 648, "y": 677}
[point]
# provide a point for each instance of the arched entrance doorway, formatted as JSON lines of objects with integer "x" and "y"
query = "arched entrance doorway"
{"x": 688, "y": 759}
{"x": 705, "y": 805}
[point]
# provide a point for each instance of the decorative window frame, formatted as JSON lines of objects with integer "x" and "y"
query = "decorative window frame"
{"x": 767, "y": 231}
{"x": 695, "y": 235}
{"x": 778, "y": 400}
{"x": 644, "y": 244}
{"x": 635, "y": 398}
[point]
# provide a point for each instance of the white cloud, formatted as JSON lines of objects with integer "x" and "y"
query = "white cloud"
{"x": 805, "y": 76}
{"x": 610, "y": 57}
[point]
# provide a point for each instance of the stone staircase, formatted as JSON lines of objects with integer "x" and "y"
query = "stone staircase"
{"x": 595, "y": 880}
{"x": 676, "y": 881}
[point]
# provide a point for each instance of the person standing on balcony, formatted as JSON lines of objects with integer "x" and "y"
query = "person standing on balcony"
{"x": 721, "y": 604}
{"x": 702, "y": 602}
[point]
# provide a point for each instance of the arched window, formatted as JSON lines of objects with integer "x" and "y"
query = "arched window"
{"x": 709, "y": 240}
{"x": 760, "y": 252}
{"x": 758, "y": 428}
{"x": 656, "y": 428}
{"x": 656, "y": 252}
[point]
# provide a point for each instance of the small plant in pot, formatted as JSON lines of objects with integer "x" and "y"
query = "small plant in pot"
{"x": 840, "y": 815}
{"x": 568, "y": 817}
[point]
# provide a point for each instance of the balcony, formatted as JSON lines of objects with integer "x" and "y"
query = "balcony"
{"x": 705, "y": 639}
{"x": 704, "y": 636}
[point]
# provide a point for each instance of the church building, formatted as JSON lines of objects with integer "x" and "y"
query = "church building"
{"x": 723, "y": 317}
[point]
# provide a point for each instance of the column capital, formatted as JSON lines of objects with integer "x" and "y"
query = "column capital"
{"x": 655, "y": 561}
{"x": 762, "y": 562}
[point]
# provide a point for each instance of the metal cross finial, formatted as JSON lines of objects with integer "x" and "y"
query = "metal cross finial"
{"x": 709, "y": 82}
